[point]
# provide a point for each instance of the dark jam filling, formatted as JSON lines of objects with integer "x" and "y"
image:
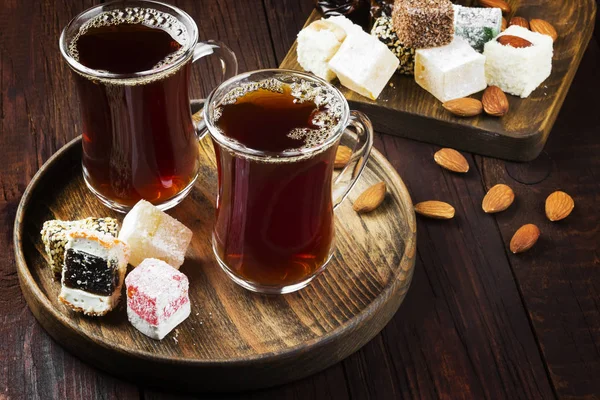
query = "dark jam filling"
{"x": 90, "y": 273}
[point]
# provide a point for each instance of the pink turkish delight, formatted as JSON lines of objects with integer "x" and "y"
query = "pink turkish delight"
{"x": 157, "y": 298}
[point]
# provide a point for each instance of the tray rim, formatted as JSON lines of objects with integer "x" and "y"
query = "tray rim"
{"x": 407, "y": 262}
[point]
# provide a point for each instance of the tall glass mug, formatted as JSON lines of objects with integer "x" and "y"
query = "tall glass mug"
{"x": 274, "y": 225}
{"x": 132, "y": 63}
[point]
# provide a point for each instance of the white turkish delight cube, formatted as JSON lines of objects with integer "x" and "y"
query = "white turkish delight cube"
{"x": 518, "y": 70}
{"x": 450, "y": 72}
{"x": 152, "y": 233}
{"x": 364, "y": 64}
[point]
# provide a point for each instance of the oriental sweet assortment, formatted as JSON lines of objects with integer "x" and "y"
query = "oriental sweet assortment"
{"x": 91, "y": 258}
{"x": 452, "y": 51}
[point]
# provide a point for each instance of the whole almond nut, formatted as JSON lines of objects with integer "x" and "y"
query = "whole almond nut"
{"x": 524, "y": 238}
{"x": 543, "y": 27}
{"x": 342, "y": 156}
{"x": 495, "y": 102}
{"x": 519, "y": 21}
{"x": 497, "y": 199}
{"x": 559, "y": 205}
{"x": 371, "y": 198}
{"x": 514, "y": 41}
{"x": 435, "y": 209}
{"x": 501, "y": 4}
{"x": 504, "y": 24}
{"x": 464, "y": 107}
{"x": 451, "y": 160}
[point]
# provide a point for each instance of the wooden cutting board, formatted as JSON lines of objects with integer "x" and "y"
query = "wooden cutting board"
{"x": 405, "y": 109}
{"x": 234, "y": 339}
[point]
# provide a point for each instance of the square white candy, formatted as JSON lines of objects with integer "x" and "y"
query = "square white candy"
{"x": 152, "y": 233}
{"x": 518, "y": 71}
{"x": 451, "y": 71}
{"x": 157, "y": 298}
{"x": 364, "y": 64}
{"x": 317, "y": 43}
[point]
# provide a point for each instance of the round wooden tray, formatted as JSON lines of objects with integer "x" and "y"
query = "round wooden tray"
{"x": 233, "y": 339}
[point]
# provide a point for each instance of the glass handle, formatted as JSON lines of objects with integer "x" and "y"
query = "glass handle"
{"x": 229, "y": 66}
{"x": 363, "y": 130}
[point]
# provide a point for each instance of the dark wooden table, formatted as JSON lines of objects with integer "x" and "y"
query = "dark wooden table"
{"x": 478, "y": 321}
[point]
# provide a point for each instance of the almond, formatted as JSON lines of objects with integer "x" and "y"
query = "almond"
{"x": 504, "y": 24}
{"x": 513, "y": 41}
{"x": 435, "y": 209}
{"x": 495, "y": 102}
{"x": 524, "y": 238}
{"x": 501, "y": 4}
{"x": 559, "y": 205}
{"x": 543, "y": 27}
{"x": 451, "y": 160}
{"x": 342, "y": 156}
{"x": 371, "y": 198}
{"x": 464, "y": 107}
{"x": 497, "y": 199}
{"x": 519, "y": 21}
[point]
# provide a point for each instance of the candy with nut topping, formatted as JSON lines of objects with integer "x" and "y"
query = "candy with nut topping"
{"x": 54, "y": 236}
{"x": 518, "y": 60}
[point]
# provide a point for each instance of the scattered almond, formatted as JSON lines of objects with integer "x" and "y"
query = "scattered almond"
{"x": 543, "y": 27}
{"x": 524, "y": 238}
{"x": 342, "y": 156}
{"x": 559, "y": 205}
{"x": 494, "y": 101}
{"x": 435, "y": 209}
{"x": 371, "y": 198}
{"x": 519, "y": 21}
{"x": 498, "y": 198}
{"x": 513, "y": 41}
{"x": 504, "y": 24}
{"x": 464, "y": 107}
{"x": 451, "y": 160}
{"x": 501, "y": 4}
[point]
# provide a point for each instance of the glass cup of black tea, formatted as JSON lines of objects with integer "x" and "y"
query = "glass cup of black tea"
{"x": 275, "y": 134}
{"x": 131, "y": 62}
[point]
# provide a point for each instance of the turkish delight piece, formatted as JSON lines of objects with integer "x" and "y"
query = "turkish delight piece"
{"x": 518, "y": 70}
{"x": 93, "y": 272}
{"x": 364, "y": 64}
{"x": 450, "y": 72}
{"x": 423, "y": 23}
{"x": 384, "y": 31}
{"x": 317, "y": 43}
{"x": 54, "y": 236}
{"x": 157, "y": 298}
{"x": 152, "y": 233}
{"x": 477, "y": 25}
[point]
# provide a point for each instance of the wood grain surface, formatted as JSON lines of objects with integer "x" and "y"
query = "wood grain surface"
{"x": 262, "y": 340}
{"x": 493, "y": 326}
{"x": 405, "y": 109}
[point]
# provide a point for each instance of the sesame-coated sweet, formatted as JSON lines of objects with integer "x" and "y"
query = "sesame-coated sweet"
{"x": 384, "y": 31}
{"x": 54, "y": 236}
{"x": 423, "y": 23}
